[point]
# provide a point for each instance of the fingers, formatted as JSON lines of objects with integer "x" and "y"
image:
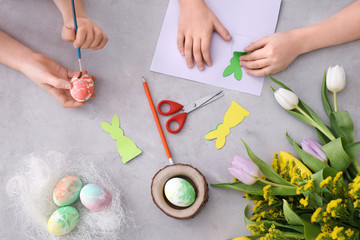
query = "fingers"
{"x": 259, "y": 72}
{"x": 256, "y": 45}
{"x": 188, "y": 52}
{"x": 223, "y": 32}
{"x": 261, "y": 63}
{"x": 256, "y": 55}
{"x": 64, "y": 100}
{"x": 57, "y": 82}
{"x": 68, "y": 34}
{"x": 98, "y": 36}
{"x": 205, "y": 49}
{"x": 80, "y": 37}
{"x": 197, "y": 54}
{"x": 89, "y": 39}
{"x": 103, "y": 42}
{"x": 180, "y": 42}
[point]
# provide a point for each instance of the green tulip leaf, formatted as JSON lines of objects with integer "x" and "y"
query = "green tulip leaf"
{"x": 247, "y": 221}
{"x": 309, "y": 160}
{"x": 343, "y": 125}
{"x": 266, "y": 169}
{"x": 338, "y": 158}
{"x": 257, "y": 188}
{"x": 323, "y": 139}
{"x": 298, "y": 115}
{"x": 279, "y": 83}
{"x": 291, "y": 217}
{"x": 316, "y": 118}
{"x": 311, "y": 231}
{"x": 352, "y": 149}
{"x": 325, "y": 96}
{"x": 318, "y": 178}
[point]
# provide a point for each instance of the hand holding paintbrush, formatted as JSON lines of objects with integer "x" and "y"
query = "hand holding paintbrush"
{"x": 89, "y": 34}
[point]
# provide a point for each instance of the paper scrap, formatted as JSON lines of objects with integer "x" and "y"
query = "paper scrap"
{"x": 126, "y": 147}
{"x": 258, "y": 19}
{"x": 234, "y": 66}
{"x": 233, "y": 116}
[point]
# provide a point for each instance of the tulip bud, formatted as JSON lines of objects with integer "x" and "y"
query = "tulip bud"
{"x": 287, "y": 99}
{"x": 335, "y": 79}
{"x": 314, "y": 148}
{"x": 244, "y": 170}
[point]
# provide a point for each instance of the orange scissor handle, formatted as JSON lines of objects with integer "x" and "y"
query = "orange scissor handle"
{"x": 180, "y": 119}
{"x": 174, "y": 107}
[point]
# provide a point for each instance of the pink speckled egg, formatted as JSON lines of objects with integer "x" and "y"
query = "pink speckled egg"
{"x": 82, "y": 88}
{"x": 95, "y": 197}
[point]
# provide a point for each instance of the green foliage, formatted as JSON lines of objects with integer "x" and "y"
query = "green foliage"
{"x": 292, "y": 205}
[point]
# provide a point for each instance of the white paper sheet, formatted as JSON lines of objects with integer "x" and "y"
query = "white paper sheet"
{"x": 246, "y": 20}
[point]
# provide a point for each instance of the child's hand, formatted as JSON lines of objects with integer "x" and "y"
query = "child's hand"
{"x": 271, "y": 54}
{"x": 89, "y": 34}
{"x": 196, "y": 25}
{"x": 54, "y": 78}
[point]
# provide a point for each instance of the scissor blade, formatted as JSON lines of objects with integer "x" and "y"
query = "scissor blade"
{"x": 203, "y": 101}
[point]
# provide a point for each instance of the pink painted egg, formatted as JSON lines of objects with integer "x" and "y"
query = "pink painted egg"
{"x": 95, "y": 197}
{"x": 82, "y": 88}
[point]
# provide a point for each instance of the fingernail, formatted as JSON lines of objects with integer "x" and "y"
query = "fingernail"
{"x": 190, "y": 65}
{"x": 228, "y": 37}
{"x": 182, "y": 53}
{"x": 76, "y": 46}
{"x": 201, "y": 68}
{"x": 241, "y": 63}
{"x": 68, "y": 86}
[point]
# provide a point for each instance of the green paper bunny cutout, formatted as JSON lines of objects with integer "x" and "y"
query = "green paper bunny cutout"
{"x": 234, "y": 66}
{"x": 126, "y": 147}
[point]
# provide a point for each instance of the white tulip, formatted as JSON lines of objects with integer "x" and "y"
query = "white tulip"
{"x": 335, "y": 79}
{"x": 287, "y": 99}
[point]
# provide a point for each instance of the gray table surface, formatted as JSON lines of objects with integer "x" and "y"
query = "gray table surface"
{"x": 31, "y": 120}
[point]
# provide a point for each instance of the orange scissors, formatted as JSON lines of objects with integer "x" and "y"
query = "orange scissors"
{"x": 181, "y": 117}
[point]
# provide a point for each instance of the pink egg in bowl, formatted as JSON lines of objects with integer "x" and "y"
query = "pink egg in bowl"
{"x": 82, "y": 88}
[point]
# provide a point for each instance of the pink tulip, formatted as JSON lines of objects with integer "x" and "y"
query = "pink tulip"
{"x": 314, "y": 148}
{"x": 244, "y": 170}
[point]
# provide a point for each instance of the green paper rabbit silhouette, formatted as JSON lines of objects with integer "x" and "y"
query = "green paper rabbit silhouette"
{"x": 234, "y": 66}
{"x": 126, "y": 147}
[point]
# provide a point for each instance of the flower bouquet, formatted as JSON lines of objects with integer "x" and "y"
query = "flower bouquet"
{"x": 314, "y": 196}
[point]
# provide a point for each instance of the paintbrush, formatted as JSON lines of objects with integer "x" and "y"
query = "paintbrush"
{"x": 76, "y": 27}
